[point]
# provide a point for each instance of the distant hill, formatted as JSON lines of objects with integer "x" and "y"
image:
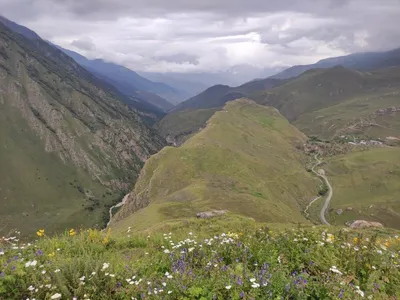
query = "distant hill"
{"x": 244, "y": 161}
{"x": 357, "y": 61}
{"x": 323, "y": 102}
{"x": 364, "y": 104}
{"x": 218, "y": 95}
{"x": 69, "y": 146}
{"x": 314, "y": 89}
{"x": 195, "y": 83}
{"x": 339, "y": 101}
{"x": 187, "y": 117}
{"x": 127, "y": 81}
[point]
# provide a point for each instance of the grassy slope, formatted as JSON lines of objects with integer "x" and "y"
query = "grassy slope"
{"x": 312, "y": 90}
{"x": 348, "y": 118}
{"x": 244, "y": 161}
{"x": 329, "y": 102}
{"x": 366, "y": 178}
{"x": 183, "y": 123}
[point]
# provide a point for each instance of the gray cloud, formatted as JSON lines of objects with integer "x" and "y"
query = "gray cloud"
{"x": 179, "y": 58}
{"x": 211, "y": 35}
{"x": 84, "y": 44}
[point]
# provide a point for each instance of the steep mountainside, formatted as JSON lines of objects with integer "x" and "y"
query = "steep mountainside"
{"x": 26, "y": 32}
{"x": 338, "y": 101}
{"x": 68, "y": 144}
{"x": 357, "y": 61}
{"x": 244, "y": 161}
{"x": 143, "y": 104}
{"x": 127, "y": 81}
{"x": 137, "y": 99}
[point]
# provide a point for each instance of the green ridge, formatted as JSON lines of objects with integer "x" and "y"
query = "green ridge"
{"x": 244, "y": 161}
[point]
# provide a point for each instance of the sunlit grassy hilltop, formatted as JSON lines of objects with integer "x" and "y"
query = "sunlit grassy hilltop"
{"x": 244, "y": 161}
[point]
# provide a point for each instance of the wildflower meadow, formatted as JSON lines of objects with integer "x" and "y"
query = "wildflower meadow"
{"x": 255, "y": 263}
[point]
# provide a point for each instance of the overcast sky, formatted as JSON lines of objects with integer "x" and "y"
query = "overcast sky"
{"x": 211, "y": 35}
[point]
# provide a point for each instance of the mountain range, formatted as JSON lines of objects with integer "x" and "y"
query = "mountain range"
{"x": 129, "y": 82}
{"x": 80, "y": 131}
{"x": 285, "y": 187}
{"x": 364, "y": 61}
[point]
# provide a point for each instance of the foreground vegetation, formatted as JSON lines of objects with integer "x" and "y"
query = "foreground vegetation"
{"x": 201, "y": 259}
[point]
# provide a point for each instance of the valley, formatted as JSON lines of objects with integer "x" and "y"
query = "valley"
{"x": 113, "y": 187}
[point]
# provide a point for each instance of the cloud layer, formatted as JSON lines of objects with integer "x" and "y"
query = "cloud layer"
{"x": 211, "y": 35}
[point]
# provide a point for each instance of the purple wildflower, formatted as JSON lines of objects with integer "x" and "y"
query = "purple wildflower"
{"x": 2, "y": 274}
{"x": 39, "y": 252}
{"x": 239, "y": 281}
{"x": 341, "y": 294}
{"x": 241, "y": 295}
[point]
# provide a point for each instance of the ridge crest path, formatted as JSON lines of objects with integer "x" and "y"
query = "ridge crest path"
{"x": 330, "y": 192}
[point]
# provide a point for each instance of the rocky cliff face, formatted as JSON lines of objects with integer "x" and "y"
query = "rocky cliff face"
{"x": 69, "y": 114}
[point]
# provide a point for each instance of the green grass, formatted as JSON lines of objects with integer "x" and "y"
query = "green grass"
{"x": 337, "y": 101}
{"x": 236, "y": 163}
{"x": 347, "y": 118}
{"x": 181, "y": 124}
{"x": 369, "y": 183}
{"x": 223, "y": 258}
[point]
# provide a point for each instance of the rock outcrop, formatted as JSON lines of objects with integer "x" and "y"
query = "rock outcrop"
{"x": 361, "y": 224}
{"x": 211, "y": 214}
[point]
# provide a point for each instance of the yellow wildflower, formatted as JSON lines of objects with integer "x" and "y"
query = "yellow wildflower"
{"x": 233, "y": 235}
{"x": 40, "y": 233}
{"x": 72, "y": 232}
{"x": 355, "y": 240}
{"x": 107, "y": 237}
{"x": 330, "y": 238}
{"x": 387, "y": 243}
{"x": 52, "y": 254}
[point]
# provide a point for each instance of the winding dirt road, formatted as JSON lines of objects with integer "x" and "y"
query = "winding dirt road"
{"x": 330, "y": 191}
